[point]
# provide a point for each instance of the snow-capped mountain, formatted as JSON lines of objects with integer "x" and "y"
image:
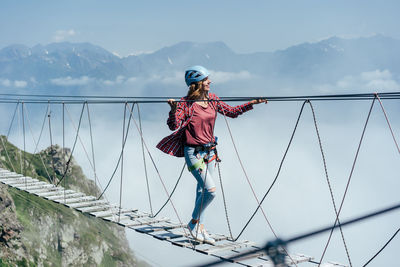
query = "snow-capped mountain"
{"x": 73, "y": 64}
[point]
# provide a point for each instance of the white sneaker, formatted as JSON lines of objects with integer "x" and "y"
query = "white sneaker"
{"x": 192, "y": 230}
{"x": 206, "y": 237}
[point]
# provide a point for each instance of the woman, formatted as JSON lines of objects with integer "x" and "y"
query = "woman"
{"x": 195, "y": 117}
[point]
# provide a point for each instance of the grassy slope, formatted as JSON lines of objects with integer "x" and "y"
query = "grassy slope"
{"x": 32, "y": 210}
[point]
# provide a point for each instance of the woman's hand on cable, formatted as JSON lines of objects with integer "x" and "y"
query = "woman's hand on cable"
{"x": 258, "y": 101}
{"x": 172, "y": 104}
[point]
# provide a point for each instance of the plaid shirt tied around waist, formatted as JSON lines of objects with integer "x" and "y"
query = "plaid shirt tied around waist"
{"x": 174, "y": 143}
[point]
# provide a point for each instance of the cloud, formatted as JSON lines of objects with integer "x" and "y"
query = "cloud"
{"x": 223, "y": 77}
{"x": 120, "y": 79}
{"x": 5, "y": 82}
{"x": 20, "y": 84}
{"x": 10, "y": 83}
{"x": 376, "y": 81}
{"x": 69, "y": 81}
{"x": 61, "y": 35}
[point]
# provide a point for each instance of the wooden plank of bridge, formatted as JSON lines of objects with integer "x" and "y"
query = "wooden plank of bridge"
{"x": 138, "y": 214}
{"x": 22, "y": 181}
{"x": 225, "y": 245}
{"x": 79, "y": 199}
{"x": 32, "y": 187}
{"x": 47, "y": 189}
{"x": 11, "y": 181}
{"x": 332, "y": 264}
{"x": 256, "y": 258}
{"x": 298, "y": 258}
{"x": 10, "y": 175}
{"x": 87, "y": 204}
{"x": 143, "y": 221}
{"x": 52, "y": 192}
{"x": 30, "y": 183}
{"x": 99, "y": 207}
{"x": 69, "y": 195}
{"x": 127, "y": 215}
{"x": 38, "y": 188}
{"x": 156, "y": 227}
{"x": 108, "y": 213}
{"x": 167, "y": 235}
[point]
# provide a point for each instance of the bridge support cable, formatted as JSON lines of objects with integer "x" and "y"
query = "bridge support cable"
{"x": 51, "y": 146}
{"x": 91, "y": 163}
{"x": 6, "y": 152}
{"x": 247, "y": 178}
{"x": 37, "y": 143}
{"x": 172, "y": 193}
{"x": 42, "y": 128}
{"x": 63, "y": 147}
{"x": 159, "y": 176}
{"x": 349, "y": 179}
{"x": 384, "y": 246}
{"x": 251, "y": 187}
{"x": 328, "y": 180}
{"x": 122, "y": 163}
{"x": 19, "y": 132}
{"x": 277, "y": 174}
{"x": 73, "y": 147}
{"x": 144, "y": 163}
{"x": 80, "y": 99}
{"x": 13, "y": 118}
{"x": 120, "y": 155}
{"x": 2, "y": 141}
{"x": 224, "y": 201}
{"x": 81, "y": 142}
{"x": 96, "y": 179}
{"x": 388, "y": 122}
{"x": 23, "y": 131}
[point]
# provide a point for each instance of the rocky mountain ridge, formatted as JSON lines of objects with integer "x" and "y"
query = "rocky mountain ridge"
{"x": 327, "y": 60}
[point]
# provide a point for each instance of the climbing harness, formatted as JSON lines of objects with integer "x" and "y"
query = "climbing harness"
{"x": 200, "y": 164}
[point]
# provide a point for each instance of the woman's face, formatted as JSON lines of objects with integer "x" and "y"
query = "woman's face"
{"x": 206, "y": 84}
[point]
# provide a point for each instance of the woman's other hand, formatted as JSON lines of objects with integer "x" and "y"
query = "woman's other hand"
{"x": 258, "y": 101}
{"x": 172, "y": 104}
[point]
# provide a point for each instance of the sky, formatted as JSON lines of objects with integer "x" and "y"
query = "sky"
{"x": 132, "y": 27}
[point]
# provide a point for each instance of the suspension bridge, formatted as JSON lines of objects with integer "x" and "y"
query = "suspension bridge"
{"x": 227, "y": 247}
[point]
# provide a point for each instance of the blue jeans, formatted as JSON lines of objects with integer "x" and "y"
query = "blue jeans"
{"x": 205, "y": 181}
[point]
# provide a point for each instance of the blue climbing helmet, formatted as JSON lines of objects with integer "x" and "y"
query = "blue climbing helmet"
{"x": 195, "y": 74}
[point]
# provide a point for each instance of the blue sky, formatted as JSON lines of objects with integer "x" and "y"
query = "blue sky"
{"x": 127, "y": 27}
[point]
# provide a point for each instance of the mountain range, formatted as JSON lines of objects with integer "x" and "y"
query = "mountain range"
{"x": 73, "y": 64}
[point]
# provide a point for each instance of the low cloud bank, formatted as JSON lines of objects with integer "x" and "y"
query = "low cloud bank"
{"x": 372, "y": 81}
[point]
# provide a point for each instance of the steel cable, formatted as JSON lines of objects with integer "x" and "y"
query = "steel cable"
{"x": 384, "y": 246}
{"x": 349, "y": 179}
{"x": 158, "y": 173}
{"x": 328, "y": 181}
{"x": 173, "y": 191}
{"x": 37, "y": 143}
{"x": 73, "y": 147}
{"x": 252, "y": 189}
{"x": 278, "y": 172}
{"x": 120, "y": 155}
{"x": 144, "y": 162}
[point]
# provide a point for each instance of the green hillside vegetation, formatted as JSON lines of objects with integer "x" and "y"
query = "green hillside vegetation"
{"x": 45, "y": 233}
